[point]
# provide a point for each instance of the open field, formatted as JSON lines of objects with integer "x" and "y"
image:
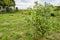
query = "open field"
{"x": 34, "y": 22}
{"x": 18, "y": 26}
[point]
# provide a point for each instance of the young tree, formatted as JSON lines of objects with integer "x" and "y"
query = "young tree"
{"x": 43, "y": 27}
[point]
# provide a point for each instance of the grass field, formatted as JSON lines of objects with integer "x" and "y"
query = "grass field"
{"x": 18, "y": 26}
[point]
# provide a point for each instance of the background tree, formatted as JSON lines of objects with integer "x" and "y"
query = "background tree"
{"x": 7, "y": 3}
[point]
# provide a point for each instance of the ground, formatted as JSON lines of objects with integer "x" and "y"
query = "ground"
{"x": 17, "y": 26}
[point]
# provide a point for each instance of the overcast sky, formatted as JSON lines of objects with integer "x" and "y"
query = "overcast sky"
{"x": 22, "y": 4}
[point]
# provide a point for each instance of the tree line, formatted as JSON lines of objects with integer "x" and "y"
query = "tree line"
{"x": 7, "y": 3}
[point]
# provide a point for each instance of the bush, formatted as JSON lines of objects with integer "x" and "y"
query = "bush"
{"x": 44, "y": 24}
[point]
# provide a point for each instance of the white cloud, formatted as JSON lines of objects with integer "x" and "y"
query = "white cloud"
{"x": 29, "y": 3}
{"x": 55, "y": 2}
{"x": 23, "y": 5}
{"x": 41, "y": 2}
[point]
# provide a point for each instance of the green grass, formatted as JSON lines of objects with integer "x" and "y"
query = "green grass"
{"x": 19, "y": 26}
{"x": 16, "y": 26}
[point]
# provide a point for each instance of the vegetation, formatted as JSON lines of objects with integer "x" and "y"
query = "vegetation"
{"x": 39, "y": 23}
{"x": 7, "y": 3}
{"x": 44, "y": 23}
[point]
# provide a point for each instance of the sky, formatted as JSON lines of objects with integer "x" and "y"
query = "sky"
{"x": 23, "y": 4}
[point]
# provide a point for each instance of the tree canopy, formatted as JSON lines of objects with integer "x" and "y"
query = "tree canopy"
{"x": 7, "y": 2}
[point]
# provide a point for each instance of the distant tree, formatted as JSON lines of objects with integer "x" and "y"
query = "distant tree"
{"x": 57, "y": 8}
{"x": 7, "y": 3}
